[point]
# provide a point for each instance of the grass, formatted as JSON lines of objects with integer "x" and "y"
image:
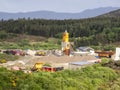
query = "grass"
{"x": 27, "y": 45}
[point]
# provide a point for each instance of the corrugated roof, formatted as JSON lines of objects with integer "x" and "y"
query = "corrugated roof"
{"x": 85, "y": 48}
{"x": 80, "y": 63}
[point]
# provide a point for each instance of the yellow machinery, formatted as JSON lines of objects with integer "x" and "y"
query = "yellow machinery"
{"x": 37, "y": 66}
{"x": 66, "y": 43}
{"x": 40, "y": 67}
{"x": 40, "y": 53}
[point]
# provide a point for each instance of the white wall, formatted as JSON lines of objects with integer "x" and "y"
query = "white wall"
{"x": 117, "y": 56}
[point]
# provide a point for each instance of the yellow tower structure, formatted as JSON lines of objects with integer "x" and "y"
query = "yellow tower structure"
{"x": 65, "y": 37}
{"x": 66, "y": 43}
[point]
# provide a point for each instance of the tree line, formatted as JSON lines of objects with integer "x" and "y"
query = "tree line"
{"x": 84, "y": 32}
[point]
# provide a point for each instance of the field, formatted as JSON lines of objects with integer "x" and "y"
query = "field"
{"x": 24, "y": 42}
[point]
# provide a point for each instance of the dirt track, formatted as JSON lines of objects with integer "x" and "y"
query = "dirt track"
{"x": 29, "y": 61}
{"x": 59, "y": 61}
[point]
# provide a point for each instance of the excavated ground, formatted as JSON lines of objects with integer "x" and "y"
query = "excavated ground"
{"x": 54, "y": 61}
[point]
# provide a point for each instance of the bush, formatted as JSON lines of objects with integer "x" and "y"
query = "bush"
{"x": 47, "y": 64}
{"x": 3, "y": 35}
{"x": 6, "y": 57}
{"x": 88, "y": 78}
{"x": 112, "y": 64}
{"x": 109, "y": 48}
{"x": 104, "y": 60}
{"x": 3, "y": 61}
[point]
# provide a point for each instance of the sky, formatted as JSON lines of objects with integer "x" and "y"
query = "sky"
{"x": 55, "y": 5}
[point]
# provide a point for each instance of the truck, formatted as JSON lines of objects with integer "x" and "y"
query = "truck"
{"x": 107, "y": 54}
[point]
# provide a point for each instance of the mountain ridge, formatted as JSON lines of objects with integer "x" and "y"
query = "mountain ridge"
{"x": 115, "y": 13}
{"x": 57, "y": 15}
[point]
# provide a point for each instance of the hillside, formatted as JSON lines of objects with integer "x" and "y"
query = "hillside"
{"x": 115, "y": 13}
{"x": 57, "y": 15}
{"x": 83, "y": 32}
{"x": 18, "y": 37}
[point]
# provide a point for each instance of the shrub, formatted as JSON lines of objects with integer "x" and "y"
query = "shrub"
{"x": 88, "y": 78}
{"x": 109, "y": 48}
{"x": 104, "y": 60}
{"x": 3, "y": 61}
{"x": 6, "y": 57}
{"x": 3, "y": 35}
{"x": 47, "y": 64}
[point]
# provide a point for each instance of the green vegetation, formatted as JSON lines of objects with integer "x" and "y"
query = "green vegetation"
{"x": 100, "y": 32}
{"x": 107, "y": 47}
{"x": 47, "y": 64}
{"x": 114, "y": 84}
{"x": 89, "y": 78}
{"x": 26, "y": 44}
{"x": 5, "y": 57}
{"x": 45, "y": 46}
{"x": 84, "y": 32}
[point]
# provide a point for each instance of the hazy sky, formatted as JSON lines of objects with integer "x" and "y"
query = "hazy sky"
{"x": 55, "y": 5}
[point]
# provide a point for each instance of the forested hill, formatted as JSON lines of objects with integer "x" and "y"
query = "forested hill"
{"x": 92, "y": 31}
{"x": 115, "y": 13}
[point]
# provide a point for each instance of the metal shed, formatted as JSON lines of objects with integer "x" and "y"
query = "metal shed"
{"x": 81, "y": 64}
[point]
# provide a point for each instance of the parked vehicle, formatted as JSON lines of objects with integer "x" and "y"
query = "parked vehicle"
{"x": 105, "y": 53}
{"x": 39, "y": 67}
{"x": 40, "y": 53}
